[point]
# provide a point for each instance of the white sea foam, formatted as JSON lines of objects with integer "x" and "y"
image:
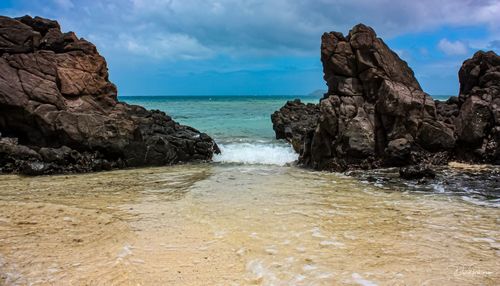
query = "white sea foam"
{"x": 256, "y": 153}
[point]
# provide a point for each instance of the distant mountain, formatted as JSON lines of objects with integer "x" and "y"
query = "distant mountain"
{"x": 318, "y": 93}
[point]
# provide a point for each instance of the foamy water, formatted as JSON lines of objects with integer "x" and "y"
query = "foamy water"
{"x": 256, "y": 153}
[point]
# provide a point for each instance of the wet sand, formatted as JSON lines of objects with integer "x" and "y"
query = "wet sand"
{"x": 233, "y": 225}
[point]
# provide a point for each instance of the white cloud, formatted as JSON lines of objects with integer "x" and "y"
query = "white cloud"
{"x": 452, "y": 47}
{"x": 489, "y": 13}
{"x": 166, "y": 46}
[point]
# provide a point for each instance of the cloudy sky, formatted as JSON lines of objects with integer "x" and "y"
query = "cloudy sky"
{"x": 204, "y": 47}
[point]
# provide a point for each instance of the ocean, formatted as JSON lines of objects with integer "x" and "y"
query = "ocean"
{"x": 251, "y": 217}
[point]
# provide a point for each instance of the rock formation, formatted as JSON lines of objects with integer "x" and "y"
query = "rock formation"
{"x": 294, "y": 121}
{"x": 60, "y": 113}
{"x": 375, "y": 113}
{"x": 477, "y": 122}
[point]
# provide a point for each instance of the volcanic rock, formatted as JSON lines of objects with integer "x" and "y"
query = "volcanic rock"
{"x": 59, "y": 112}
{"x": 294, "y": 121}
{"x": 478, "y": 120}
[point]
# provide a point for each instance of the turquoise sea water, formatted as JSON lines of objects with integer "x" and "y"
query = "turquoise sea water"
{"x": 241, "y": 125}
{"x": 228, "y": 119}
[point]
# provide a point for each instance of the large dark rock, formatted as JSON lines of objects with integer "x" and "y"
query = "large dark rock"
{"x": 478, "y": 120}
{"x": 57, "y": 101}
{"x": 294, "y": 121}
{"x": 375, "y": 113}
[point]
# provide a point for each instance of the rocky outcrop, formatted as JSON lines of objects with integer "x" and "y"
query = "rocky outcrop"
{"x": 375, "y": 113}
{"x": 59, "y": 112}
{"x": 294, "y": 121}
{"x": 478, "y": 119}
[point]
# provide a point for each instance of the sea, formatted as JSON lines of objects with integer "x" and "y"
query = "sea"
{"x": 250, "y": 217}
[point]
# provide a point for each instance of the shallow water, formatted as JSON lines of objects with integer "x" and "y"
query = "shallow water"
{"x": 249, "y": 218}
{"x": 225, "y": 224}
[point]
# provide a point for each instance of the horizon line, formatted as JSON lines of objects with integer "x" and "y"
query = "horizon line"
{"x": 205, "y": 95}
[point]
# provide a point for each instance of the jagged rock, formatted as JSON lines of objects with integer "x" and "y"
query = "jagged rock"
{"x": 376, "y": 114}
{"x": 399, "y": 151}
{"x": 473, "y": 121}
{"x": 294, "y": 121}
{"x": 17, "y": 37}
{"x": 478, "y": 121}
{"x": 57, "y": 100}
{"x": 375, "y": 107}
{"x": 381, "y": 103}
{"x": 435, "y": 136}
{"x": 447, "y": 111}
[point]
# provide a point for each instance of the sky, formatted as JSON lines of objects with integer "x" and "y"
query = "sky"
{"x": 264, "y": 47}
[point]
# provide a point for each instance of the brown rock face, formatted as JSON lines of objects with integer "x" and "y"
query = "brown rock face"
{"x": 478, "y": 120}
{"x": 57, "y": 102}
{"x": 294, "y": 121}
{"x": 376, "y": 114}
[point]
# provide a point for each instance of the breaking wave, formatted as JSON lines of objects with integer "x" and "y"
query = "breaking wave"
{"x": 256, "y": 153}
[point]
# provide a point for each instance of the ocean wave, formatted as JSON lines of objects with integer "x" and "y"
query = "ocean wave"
{"x": 256, "y": 153}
